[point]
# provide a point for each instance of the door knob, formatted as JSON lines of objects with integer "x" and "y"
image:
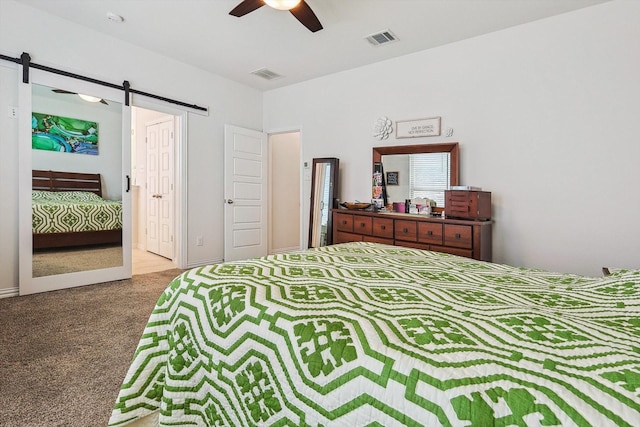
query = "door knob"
{"x": 229, "y": 201}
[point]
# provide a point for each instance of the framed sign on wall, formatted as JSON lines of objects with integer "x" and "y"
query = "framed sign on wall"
{"x": 418, "y": 127}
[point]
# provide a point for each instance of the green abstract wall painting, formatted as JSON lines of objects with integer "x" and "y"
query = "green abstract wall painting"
{"x": 63, "y": 134}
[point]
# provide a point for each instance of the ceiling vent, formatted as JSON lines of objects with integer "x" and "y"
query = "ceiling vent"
{"x": 383, "y": 37}
{"x": 266, "y": 74}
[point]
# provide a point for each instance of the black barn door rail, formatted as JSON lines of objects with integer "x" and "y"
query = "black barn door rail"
{"x": 25, "y": 61}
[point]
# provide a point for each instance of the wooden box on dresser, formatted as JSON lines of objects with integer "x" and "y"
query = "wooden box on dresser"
{"x": 471, "y": 239}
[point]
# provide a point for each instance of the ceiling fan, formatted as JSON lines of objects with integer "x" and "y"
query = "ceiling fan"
{"x": 298, "y": 8}
{"x": 87, "y": 98}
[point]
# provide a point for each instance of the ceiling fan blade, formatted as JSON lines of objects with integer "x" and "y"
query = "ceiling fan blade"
{"x": 63, "y": 91}
{"x": 305, "y": 15}
{"x": 245, "y": 7}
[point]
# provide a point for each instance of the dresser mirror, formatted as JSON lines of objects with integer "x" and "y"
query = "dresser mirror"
{"x": 423, "y": 170}
{"x": 324, "y": 182}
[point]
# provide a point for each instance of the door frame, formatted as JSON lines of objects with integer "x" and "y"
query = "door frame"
{"x": 181, "y": 124}
{"x": 304, "y": 220}
{"x": 160, "y": 120}
{"x": 270, "y": 201}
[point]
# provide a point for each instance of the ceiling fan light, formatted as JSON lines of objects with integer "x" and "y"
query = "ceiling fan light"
{"x": 282, "y": 4}
{"x": 89, "y": 98}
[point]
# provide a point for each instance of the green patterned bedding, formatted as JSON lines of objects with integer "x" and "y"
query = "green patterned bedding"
{"x": 362, "y": 334}
{"x": 72, "y": 211}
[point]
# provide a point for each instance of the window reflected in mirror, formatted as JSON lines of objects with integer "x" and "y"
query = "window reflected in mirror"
{"x": 421, "y": 175}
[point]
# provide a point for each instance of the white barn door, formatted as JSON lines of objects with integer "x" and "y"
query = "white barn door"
{"x": 245, "y": 193}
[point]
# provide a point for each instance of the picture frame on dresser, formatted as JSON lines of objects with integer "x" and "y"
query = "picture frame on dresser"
{"x": 393, "y": 178}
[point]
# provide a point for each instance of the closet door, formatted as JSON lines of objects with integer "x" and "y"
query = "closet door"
{"x": 160, "y": 188}
{"x": 92, "y": 136}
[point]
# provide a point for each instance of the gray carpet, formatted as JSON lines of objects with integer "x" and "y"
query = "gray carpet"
{"x": 64, "y": 354}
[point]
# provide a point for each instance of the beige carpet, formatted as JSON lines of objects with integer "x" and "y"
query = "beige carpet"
{"x": 69, "y": 260}
{"x": 64, "y": 354}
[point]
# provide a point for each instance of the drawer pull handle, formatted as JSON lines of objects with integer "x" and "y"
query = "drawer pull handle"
{"x": 362, "y": 224}
{"x": 429, "y": 233}
{"x": 405, "y": 230}
{"x": 383, "y": 227}
{"x": 344, "y": 222}
{"x": 458, "y": 235}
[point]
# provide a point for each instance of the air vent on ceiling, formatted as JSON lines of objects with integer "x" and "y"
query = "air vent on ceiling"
{"x": 383, "y": 37}
{"x": 266, "y": 74}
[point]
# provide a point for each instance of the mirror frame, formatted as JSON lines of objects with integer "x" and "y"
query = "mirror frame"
{"x": 333, "y": 191}
{"x": 444, "y": 147}
{"x": 27, "y": 284}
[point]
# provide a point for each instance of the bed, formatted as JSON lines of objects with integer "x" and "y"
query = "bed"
{"x": 68, "y": 210}
{"x": 364, "y": 334}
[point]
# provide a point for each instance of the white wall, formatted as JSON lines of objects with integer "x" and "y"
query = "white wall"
{"x": 108, "y": 162}
{"x": 545, "y": 114}
{"x": 81, "y": 50}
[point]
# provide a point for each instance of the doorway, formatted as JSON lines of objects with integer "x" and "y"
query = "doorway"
{"x": 285, "y": 192}
{"x": 154, "y": 141}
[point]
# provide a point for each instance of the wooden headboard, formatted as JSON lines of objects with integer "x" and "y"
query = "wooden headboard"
{"x": 66, "y": 181}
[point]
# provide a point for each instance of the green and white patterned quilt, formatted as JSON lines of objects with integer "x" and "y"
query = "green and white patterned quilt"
{"x": 362, "y": 334}
{"x": 71, "y": 211}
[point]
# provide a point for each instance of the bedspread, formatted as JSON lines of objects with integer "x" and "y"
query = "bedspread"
{"x": 71, "y": 211}
{"x": 362, "y": 334}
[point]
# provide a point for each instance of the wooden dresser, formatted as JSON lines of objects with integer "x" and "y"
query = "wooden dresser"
{"x": 471, "y": 239}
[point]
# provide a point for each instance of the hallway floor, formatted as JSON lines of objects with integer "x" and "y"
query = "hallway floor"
{"x": 147, "y": 262}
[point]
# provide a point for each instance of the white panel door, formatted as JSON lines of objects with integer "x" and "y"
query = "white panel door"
{"x": 152, "y": 189}
{"x": 245, "y": 193}
{"x": 160, "y": 188}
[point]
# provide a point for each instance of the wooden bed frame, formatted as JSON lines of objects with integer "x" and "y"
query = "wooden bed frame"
{"x": 71, "y": 181}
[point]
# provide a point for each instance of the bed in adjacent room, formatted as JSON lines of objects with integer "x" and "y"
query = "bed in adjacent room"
{"x": 69, "y": 210}
{"x": 363, "y": 334}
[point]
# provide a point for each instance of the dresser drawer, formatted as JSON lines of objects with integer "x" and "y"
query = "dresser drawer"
{"x": 383, "y": 227}
{"x": 343, "y": 222}
{"x": 467, "y": 238}
{"x": 406, "y": 230}
{"x": 458, "y": 236}
{"x": 362, "y": 224}
{"x": 414, "y": 245}
{"x": 453, "y": 251}
{"x": 430, "y": 232}
{"x": 374, "y": 239}
{"x": 344, "y": 237}
{"x": 467, "y": 204}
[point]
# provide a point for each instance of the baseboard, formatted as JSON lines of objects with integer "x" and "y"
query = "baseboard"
{"x": 203, "y": 263}
{"x": 9, "y": 292}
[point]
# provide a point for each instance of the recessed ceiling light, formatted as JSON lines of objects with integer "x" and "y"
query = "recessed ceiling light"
{"x": 115, "y": 18}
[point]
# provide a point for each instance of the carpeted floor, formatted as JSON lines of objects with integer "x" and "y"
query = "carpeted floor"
{"x": 64, "y": 354}
{"x": 68, "y": 260}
